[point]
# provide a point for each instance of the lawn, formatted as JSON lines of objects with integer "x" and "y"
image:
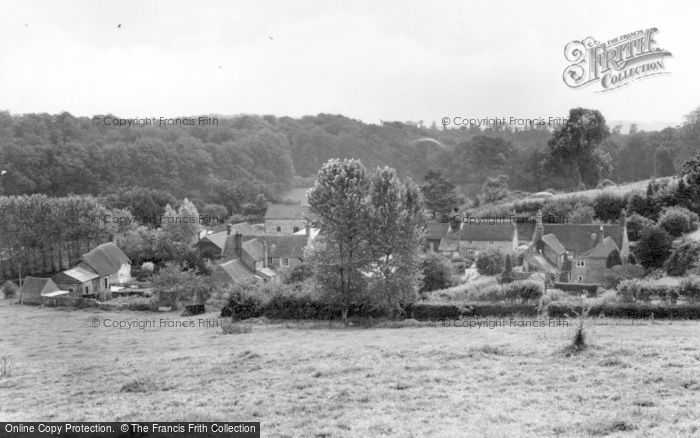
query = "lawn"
{"x": 638, "y": 378}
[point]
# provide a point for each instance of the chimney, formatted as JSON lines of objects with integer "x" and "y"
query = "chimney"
{"x": 238, "y": 242}
{"x": 308, "y": 230}
{"x": 539, "y": 228}
{"x": 264, "y": 254}
{"x": 228, "y": 229}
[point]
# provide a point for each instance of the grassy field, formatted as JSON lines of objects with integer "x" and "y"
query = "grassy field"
{"x": 638, "y": 378}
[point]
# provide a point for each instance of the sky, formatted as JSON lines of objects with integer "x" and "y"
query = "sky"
{"x": 368, "y": 60}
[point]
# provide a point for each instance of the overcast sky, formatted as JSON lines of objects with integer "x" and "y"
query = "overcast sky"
{"x": 370, "y": 60}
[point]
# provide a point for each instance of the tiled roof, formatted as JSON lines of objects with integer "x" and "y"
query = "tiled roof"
{"x": 436, "y": 230}
{"x": 106, "y": 259}
{"x": 254, "y": 249}
{"x": 35, "y": 286}
{"x": 77, "y": 275}
{"x": 579, "y": 238}
{"x": 602, "y": 250}
{"x": 486, "y": 232}
{"x": 552, "y": 241}
{"x": 236, "y": 270}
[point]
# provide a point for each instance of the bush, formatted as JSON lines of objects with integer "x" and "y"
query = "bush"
{"x": 9, "y": 289}
{"x": 678, "y": 220}
{"x": 172, "y": 285}
{"x": 437, "y": 272}
{"x": 490, "y": 262}
{"x": 582, "y": 214}
{"x": 524, "y": 291}
{"x": 654, "y": 247}
{"x": 690, "y": 289}
{"x": 243, "y": 303}
{"x": 299, "y": 273}
{"x": 683, "y": 258}
{"x": 635, "y": 225}
{"x": 608, "y": 206}
{"x": 640, "y": 290}
{"x": 616, "y": 274}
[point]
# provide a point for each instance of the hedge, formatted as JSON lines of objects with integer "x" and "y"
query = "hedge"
{"x": 428, "y": 311}
{"x": 577, "y": 287}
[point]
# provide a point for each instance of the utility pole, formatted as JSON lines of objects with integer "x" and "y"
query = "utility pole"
{"x": 21, "y": 292}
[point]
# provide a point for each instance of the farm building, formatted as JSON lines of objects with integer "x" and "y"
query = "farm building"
{"x": 81, "y": 280}
{"x": 33, "y": 288}
{"x": 107, "y": 260}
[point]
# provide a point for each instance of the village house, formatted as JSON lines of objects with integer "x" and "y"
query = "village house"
{"x": 99, "y": 269}
{"x": 215, "y": 246}
{"x": 81, "y": 280}
{"x": 574, "y": 252}
{"x": 256, "y": 260}
{"x": 287, "y": 219}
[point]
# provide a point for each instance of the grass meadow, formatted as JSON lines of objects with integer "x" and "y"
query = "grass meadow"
{"x": 638, "y": 378}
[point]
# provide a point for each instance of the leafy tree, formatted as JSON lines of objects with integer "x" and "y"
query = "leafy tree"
{"x": 664, "y": 162}
{"x": 678, "y": 220}
{"x": 172, "y": 286}
{"x": 337, "y": 198}
{"x": 654, "y": 247}
{"x": 439, "y": 193}
{"x": 490, "y": 262}
{"x": 582, "y": 214}
{"x": 214, "y": 214}
{"x": 608, "y": 207}
{"x": 613, "y": 259}
{"x": 507, "y": 275}
{"x": 437, "y": 272}
{"x": 683, "y": 258}
{"x": 571, "y": 158}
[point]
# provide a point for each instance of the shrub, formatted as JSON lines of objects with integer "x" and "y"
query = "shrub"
{"x": 243, "y": 303}
{"x": 582, "y": 214}
{"x": 608, "y": 206}
{"x": 507, "y": 275}
{"x": 525, "y": 291}
{"x": 299, "y": 273}
{"x": 437, "y": 272}
{"x": 678, "y": 220}
{"x": 683, "y": 258}
{"x": 490, "y": 262}
{"x": 635, "y": 224}
{"x": 690, "y": 288}
{"x": 640, "y": 290}
{"x": 653, "y": 247}
{"x": 9, "y": 289}
{"x": 172, "y": 286}
{"x": 616, "y": 274}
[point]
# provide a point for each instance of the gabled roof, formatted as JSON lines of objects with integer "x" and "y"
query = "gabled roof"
{"x": 448, "y": 244}
{"x": 35, "y": 286}
{"x": 579, "y": 238}
{"x": 236, "y": 270}
{"x": 542, "y": 264}
{"x": 106, "y": 259}
{"x": 284, "y": 211}
{"x": 487, "y": 232}
{"x": 436, "y": 230}
{"x": 77, "y": 275}
{"x": 254, "y": 249}
{"x": 602, "y": 250}
{"x": 552, "y": 241}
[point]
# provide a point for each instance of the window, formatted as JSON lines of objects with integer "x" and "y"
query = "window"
{"x": 105, "y": 283}
{"x": 580, "y": 263}
{"x": 490, "y": 242}
{"x": 296, "y": 229}
{"x": 580, "y": 279}
{"x": 269, "y": 261}
{"x": 87, "y": 289}
{"x": 279, "y": 229}
{"x": 470, "y": 251}
{"x": 285, "y": 261}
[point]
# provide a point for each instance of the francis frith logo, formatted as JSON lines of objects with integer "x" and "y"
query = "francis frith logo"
{"x": 614, "y": 63}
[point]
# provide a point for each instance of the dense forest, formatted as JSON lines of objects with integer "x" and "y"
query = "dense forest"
{"x": 232, "y": 163}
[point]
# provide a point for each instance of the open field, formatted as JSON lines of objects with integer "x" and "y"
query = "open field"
{"x": 639, "y": 378}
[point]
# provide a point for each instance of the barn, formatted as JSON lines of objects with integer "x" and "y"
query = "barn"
{"x": 34, "y": 287}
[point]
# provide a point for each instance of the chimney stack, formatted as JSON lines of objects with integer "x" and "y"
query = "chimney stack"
{"x": 238, "y": 243}
{"x": 308, "y": 229}
{"x": 228, "y": 229}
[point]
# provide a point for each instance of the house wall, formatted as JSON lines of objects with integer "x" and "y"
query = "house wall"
{"x": 122, "y": 276}
{"x": 277, "y": 262}
{"x": 286, "y": 225}
{"x": 76, "y": 290}
{"x": 593, "y": 272}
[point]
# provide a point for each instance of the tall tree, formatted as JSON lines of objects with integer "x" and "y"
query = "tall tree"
{"x": 571, "y": 160}
{"x": 439, "y": 193}
{"x": 338, "y": 198}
